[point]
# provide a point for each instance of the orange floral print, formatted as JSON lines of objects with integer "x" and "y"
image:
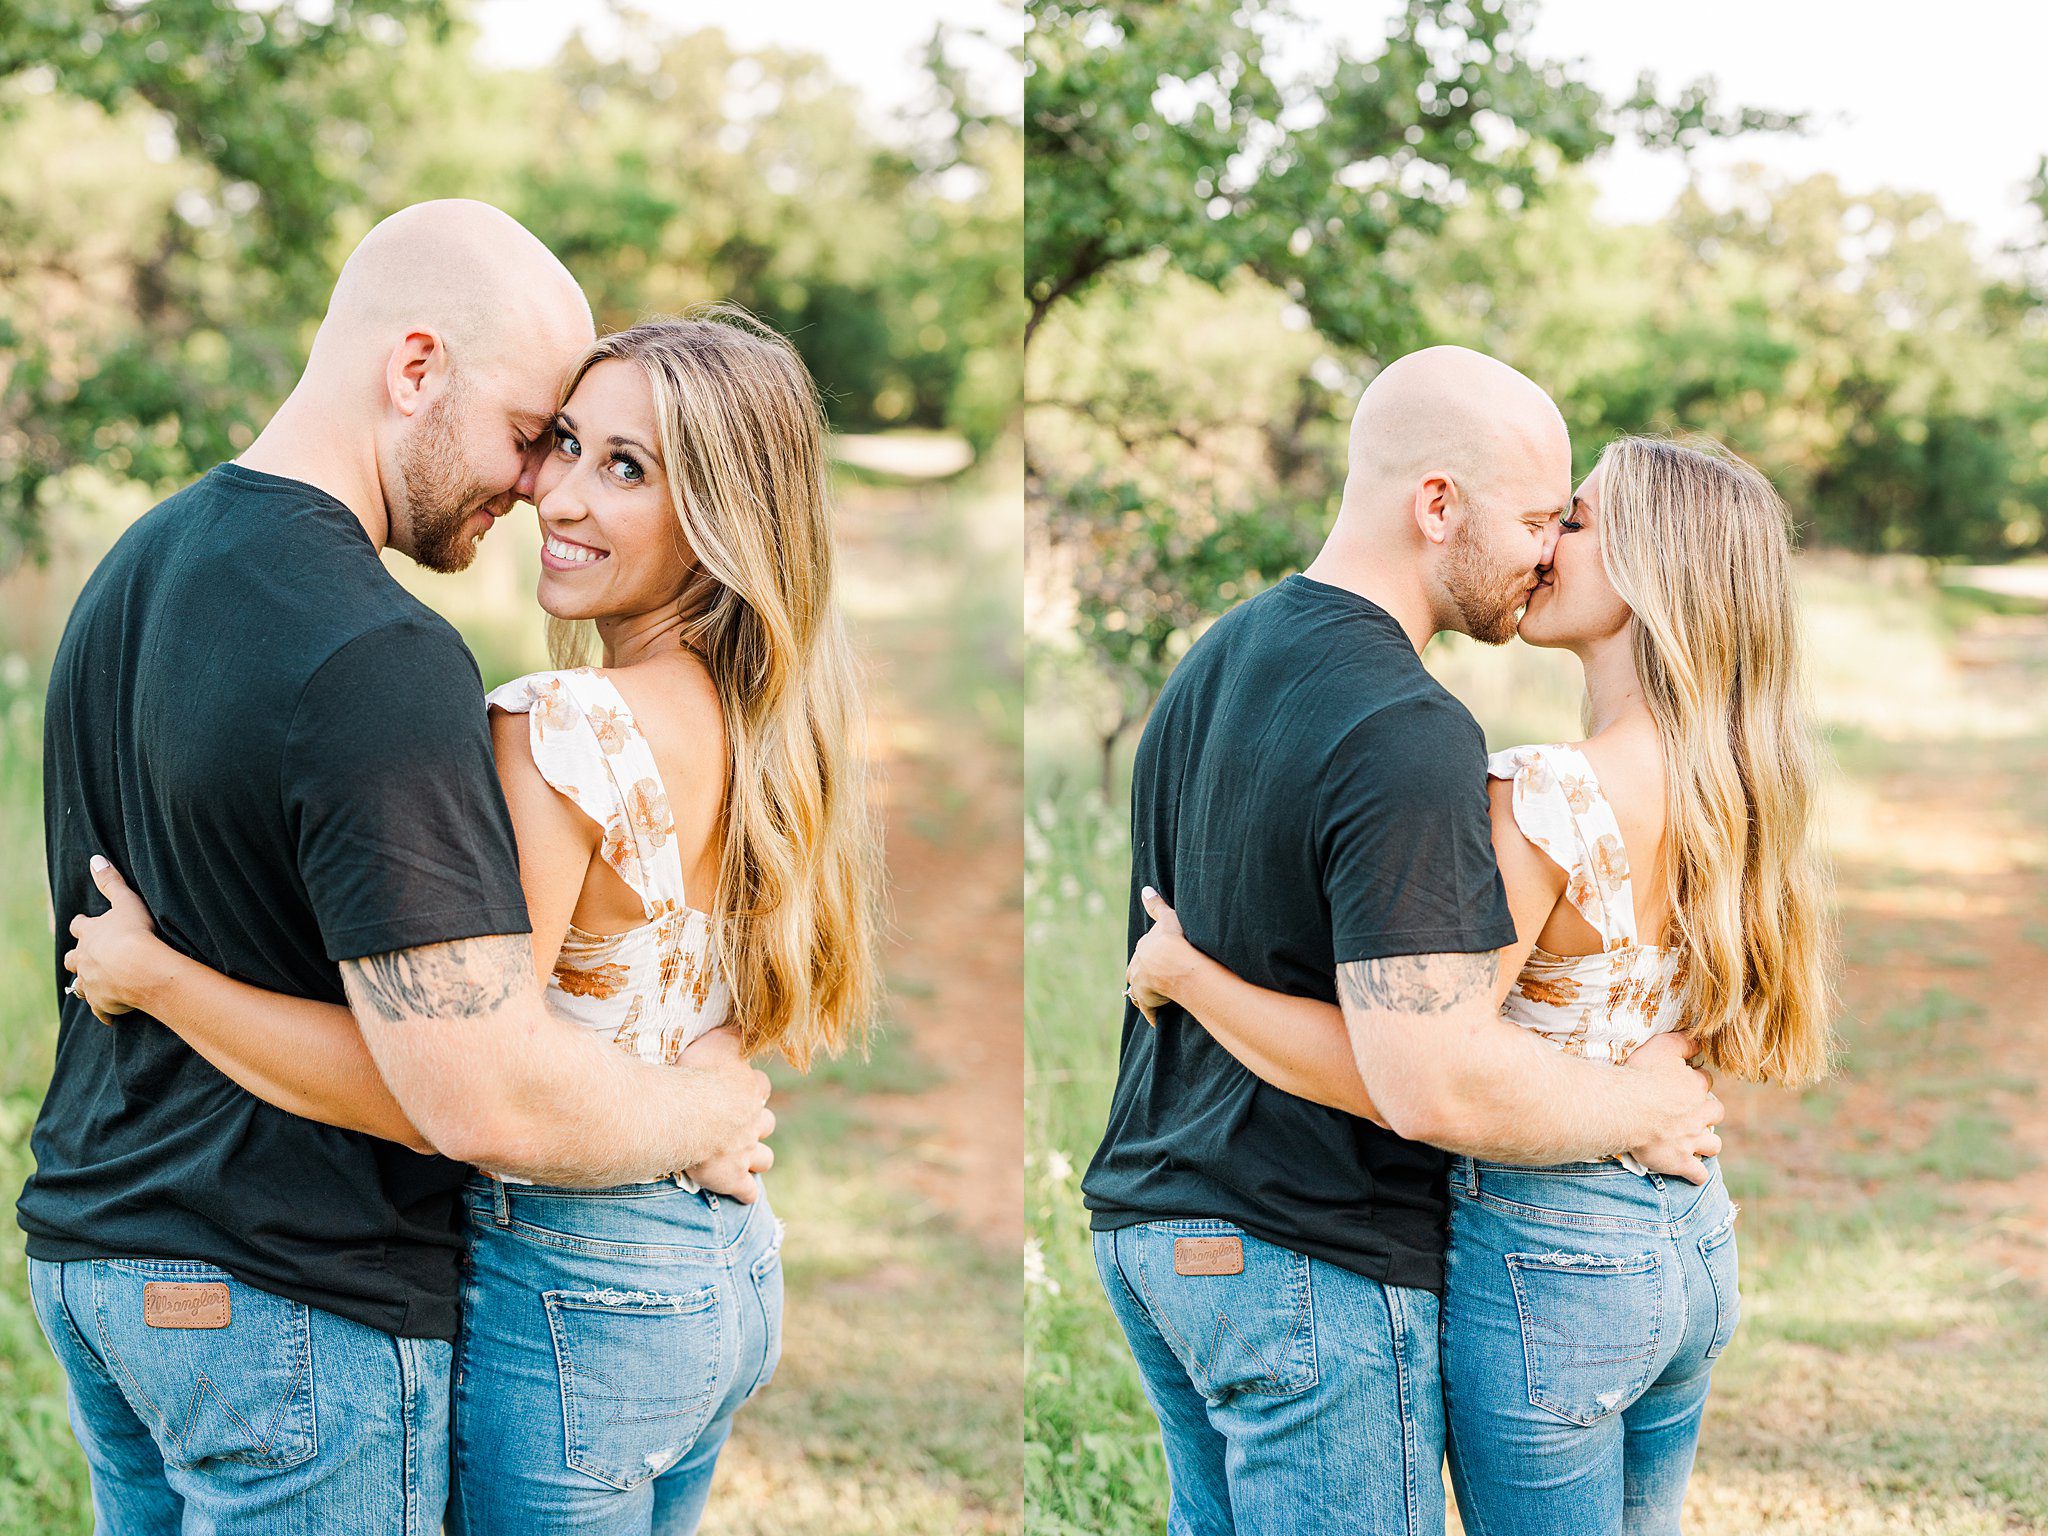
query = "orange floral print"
{"x": 609, "y": 726}
{"x": 602, "y": 982}
{"x": 647, "y": 806}
{"x": 1578, "y": 792}
{"x": 1610, "y": 863}
{"x": 1560, "y": 992}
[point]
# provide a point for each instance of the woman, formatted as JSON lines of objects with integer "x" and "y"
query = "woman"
{"x": 1661, "y": 878}
{"x": 697, "y": 856}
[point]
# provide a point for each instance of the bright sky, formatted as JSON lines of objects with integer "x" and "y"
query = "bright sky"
{"x": 877, "y": 46}
{"x": 1903, "y": 93}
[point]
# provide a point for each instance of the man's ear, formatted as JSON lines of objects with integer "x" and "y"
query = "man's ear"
{"x": 1436, "y": 500}
{"x": 415, "y": 371}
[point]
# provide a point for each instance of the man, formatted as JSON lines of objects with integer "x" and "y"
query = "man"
{"x": 289, "y": 757}
{"x": 1314, "y": 806}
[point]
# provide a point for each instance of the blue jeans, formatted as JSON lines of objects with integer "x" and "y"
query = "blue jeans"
{"x": 1585, "y": 1308}
{"x": 608, "y": 1338}
{"x": 286, "y": 1420}
{"x": 1293, "y": 1395}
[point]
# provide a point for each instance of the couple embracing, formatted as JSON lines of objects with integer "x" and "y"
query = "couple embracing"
{"x": 403, "y": 1154}
{"x": 1407, "y": 1158}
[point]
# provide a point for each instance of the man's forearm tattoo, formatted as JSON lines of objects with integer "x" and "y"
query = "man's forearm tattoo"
{"x": 462, "y": 979}
{"x": 1415, "y": 983}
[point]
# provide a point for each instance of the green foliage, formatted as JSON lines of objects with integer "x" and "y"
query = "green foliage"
{"x": 1853, "y": 346}
{"x": 168, "y": 222}
{"x": 1160, "y": 128}
{"x": 185, "y": 178}
{"x": 1166, "y": 155}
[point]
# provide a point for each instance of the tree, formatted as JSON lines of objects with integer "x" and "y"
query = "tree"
{"x": 201, "y": 168}
{"x": 1160, "y": 128}
{"x": 185, "y": 312}
{"x": 1164, "y": 150}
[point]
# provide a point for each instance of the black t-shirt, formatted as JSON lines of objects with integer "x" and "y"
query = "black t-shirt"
{"x": 288, "y": 758}
{"x": 1305, "y": 795}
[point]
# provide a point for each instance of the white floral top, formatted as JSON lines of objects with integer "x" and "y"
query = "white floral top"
{"x": 655, "y": 988}
{"x": 1603, "y": 1005}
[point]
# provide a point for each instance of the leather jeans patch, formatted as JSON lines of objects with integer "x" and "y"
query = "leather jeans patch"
{"x": 1208, "y": 1256}
{"x": 178, "y": 1304}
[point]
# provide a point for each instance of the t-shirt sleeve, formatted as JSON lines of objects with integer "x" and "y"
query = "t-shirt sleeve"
{"x": 392, "y": 794}
{"x": 1404, "y": 838}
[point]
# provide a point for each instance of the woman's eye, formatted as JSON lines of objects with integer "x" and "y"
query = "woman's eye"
{"x": 568, "y": 445}
{"x": 1570, "y": 525}
{"x": 629, "y": 471}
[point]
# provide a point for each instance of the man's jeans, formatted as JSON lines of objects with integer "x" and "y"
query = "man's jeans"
{"x": 287, "y": 1420}
{"x": 1292, "y": 1397}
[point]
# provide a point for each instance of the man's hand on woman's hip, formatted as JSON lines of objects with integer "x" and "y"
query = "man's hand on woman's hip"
{"x": 1684, "y": 1106}
{"x": 736, "y": 1168}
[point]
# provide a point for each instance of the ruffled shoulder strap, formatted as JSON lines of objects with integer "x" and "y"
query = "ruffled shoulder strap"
{"x": 587, "y": 744}
{"x": 1561, "y": 809}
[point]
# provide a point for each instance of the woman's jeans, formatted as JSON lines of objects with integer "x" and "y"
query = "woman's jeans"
{"x": 1584, "y": 1308}
{"x": 608, "y": 1337}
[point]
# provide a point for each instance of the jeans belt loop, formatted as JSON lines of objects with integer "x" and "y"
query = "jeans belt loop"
{"x": 501, "y": 1204}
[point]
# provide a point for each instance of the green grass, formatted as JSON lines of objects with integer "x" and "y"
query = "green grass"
{"x": 42, "y": 1477}
{"x": 1888, "y": 1374}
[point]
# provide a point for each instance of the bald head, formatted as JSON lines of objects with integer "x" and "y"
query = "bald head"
{"x": 1460, "y": 475}
{"x": 433, "y": 377}
{"x": 465, "y": 270}
{"x": 1451, "y": 411}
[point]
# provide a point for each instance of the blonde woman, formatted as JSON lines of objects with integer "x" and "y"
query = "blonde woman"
{"x": 1662, "y": 878}
{"x": 697, "y": 857}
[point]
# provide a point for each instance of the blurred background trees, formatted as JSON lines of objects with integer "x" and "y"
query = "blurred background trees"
{"x": 182, "y": 180}
{"x": 1228, "y": 229}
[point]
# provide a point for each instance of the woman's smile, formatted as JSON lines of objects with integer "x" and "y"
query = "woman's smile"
{"x": 560, "y": 554}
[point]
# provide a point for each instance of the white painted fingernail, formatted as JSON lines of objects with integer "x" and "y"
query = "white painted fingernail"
{"x": 98, "y": 864}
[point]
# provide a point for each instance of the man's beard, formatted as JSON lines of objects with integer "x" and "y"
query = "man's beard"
{"x": 439, "y": 499}
{"x": 1488, "y": 596}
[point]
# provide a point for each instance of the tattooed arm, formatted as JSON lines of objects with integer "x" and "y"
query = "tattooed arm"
{"x": 448, "y": 1048}
{"x": 459, "y": 1033}
{"x": 1445, "y": 1068}
{"x": 1419, "y": 1047}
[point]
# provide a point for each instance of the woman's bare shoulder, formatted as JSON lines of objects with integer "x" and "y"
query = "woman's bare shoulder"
{"x": 675, "y": 704}
{"x": 1628, "y": 760}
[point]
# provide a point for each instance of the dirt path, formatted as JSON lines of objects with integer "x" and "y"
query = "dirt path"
{"x": 953, "y": 799}
{"x": 1943, "y": 883}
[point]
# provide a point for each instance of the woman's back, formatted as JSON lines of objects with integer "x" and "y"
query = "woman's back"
{"x": 675, "y": 705}
{"x": 638, "y": 961}
{"x": 1600, "y": 979}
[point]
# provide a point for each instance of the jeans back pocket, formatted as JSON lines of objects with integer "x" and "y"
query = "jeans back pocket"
{"x": 241, "y": 1393}
{"x": 1717, "y": 1252}
{"x": 766, "y": 1272}
{"x": 1590, "y": 1329}
{"x": 639, "y": 1376}
{"x": 1253, "y": 1331}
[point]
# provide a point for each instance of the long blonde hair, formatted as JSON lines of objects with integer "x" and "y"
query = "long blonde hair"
{"x": 1695, "y": 542}
{"x": 796, "y": 912}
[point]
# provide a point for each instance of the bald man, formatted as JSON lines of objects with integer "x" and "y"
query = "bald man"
{"x": 1314, "y": 806}
{"x": 289, "y": 758}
